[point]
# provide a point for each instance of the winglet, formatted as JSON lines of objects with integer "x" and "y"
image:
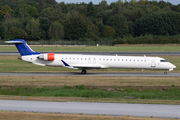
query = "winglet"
{"x": 65, "y": 63}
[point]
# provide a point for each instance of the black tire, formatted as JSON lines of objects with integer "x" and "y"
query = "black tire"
{"x": 83, "y": 72}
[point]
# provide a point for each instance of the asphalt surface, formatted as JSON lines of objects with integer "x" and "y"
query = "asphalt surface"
{"x": 108, "y": 53}
{"x": 119, "y": 109}
{"x": 94, "y": 74}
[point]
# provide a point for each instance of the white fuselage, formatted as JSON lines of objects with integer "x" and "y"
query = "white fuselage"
{"x": 78, "y": 61}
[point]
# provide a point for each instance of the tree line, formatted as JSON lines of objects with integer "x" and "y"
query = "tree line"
{"x": 125, "y": 21}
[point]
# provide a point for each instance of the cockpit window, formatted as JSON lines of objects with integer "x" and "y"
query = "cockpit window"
{"x": 164, "y": 61}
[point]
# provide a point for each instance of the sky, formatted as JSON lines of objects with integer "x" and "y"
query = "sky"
{"x": 174, "y": 2}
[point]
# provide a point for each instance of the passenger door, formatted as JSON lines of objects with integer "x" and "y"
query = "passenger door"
{"x": 153, "y": 63}
{"x": 89, "y": 60}
{"x": 94, "y": 60}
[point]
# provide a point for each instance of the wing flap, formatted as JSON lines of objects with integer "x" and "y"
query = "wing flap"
{"x": 87, "y": 66}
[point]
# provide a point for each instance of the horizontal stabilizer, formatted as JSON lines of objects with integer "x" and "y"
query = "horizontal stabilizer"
{"x": 13, "y": 42}
{"x": 39, "y": 64}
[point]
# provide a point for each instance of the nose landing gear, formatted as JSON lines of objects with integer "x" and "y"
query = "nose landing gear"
{"x": 165, "y": 72}
{"x": 83, "y": 72}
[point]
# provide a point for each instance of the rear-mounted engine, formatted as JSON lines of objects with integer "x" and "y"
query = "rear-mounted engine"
{"x": 48, "y": 56}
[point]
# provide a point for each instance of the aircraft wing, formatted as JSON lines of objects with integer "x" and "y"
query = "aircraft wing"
{"x": 87, "y": 66}
{"x": 81, "y": 66}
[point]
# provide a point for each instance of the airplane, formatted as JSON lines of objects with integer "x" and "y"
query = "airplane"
{"x": 86, "y": 62}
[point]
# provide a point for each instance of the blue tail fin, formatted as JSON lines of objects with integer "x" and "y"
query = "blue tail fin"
{"x": 22, "y": 47}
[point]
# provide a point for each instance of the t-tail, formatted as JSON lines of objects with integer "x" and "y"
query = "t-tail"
{"x": 23, "y": 47}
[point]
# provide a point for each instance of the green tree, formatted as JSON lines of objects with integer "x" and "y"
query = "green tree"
{"x": 4, "y": 9}
{"x": 52, "y": 13}
{"x": 132, "y": 13}
{"x": 117, "y": 8}
{"x": 162, "y": 4}
{"x": 17, "y": 33}
{"x": 64, "y": 7}
{"x": 103, "y": 3}
{"x": 25, "y": 10}
{"x": 92, "y": 31}
{"x": 33, "y": 29}
{"x": 44, "y": 25}
{"x": 51, "y": 1}
{"x": 56, "y": 31}
{"x": 1, "y": 15}
{"x": 90, "y": 10}
{"x": 100, "y": 25}
{"x": 108, "y": 32}
{"x": 75, "y": 27}
{"x": 6, "y": 33}
{"x": 159, "y": 23}
{"x": 130, "y": 28}
{"x": 24, "y": 22}
{"x": 178, "y": 9}
{"x": 13, "y": 22}
{"x": 120, "y": 25}
{"x": 7, "y": 25}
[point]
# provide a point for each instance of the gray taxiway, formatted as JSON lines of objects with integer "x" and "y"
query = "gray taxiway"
{"x": 93, "y": 74}
{"x": 119, "y": 109}
{"x": 108, "y": 53}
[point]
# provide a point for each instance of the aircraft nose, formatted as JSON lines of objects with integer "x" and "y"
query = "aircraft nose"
{"x": 173, "y": 66}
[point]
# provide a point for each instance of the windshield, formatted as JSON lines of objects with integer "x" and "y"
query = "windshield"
{"x": 164, "y": 61}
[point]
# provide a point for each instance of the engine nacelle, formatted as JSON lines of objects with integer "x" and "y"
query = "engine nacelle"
{"x": 48, "y": 56}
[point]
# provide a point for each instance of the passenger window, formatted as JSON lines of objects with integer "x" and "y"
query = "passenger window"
{"x": 111, "y": 59}
{"x": 114, "y": 59}
{"x": 118, "y": 59}
{"x": 81, "y": 59}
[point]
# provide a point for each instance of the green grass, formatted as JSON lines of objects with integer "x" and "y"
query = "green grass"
{"x": 82, "y": 91}
{"x": 123, "y": 48}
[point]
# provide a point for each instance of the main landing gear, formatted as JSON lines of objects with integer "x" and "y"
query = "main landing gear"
{"x": 83, "y": 72}
{"x": 165, "y": 72}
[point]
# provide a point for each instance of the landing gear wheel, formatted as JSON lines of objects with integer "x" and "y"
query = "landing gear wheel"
{"x": 165, "y": 72}
{"x": 83, "y": 72}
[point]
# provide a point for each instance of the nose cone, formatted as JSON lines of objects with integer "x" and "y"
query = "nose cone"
{"x": 172, "y": 66}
